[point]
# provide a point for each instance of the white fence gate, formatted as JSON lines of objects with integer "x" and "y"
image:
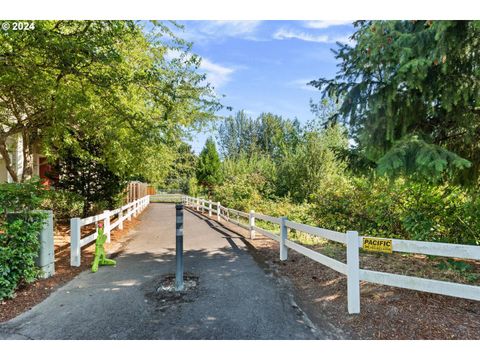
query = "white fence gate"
{"x": 353, "y": 243}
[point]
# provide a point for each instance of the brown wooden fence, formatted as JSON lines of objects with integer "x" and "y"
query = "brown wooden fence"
{"x": 137, "y": 190}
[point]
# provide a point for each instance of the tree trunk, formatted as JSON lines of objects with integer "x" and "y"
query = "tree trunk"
{"x": 27, "y": 157}
{"x": 8, "y": 161}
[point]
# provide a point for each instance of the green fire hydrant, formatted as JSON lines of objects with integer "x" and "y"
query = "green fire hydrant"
{"x": 100, "y": 256}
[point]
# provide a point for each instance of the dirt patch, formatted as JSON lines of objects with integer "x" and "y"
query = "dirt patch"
{"x": 28, "y": 295}
{"x": 386, "y": 312}
{"x": 161, "y": 292}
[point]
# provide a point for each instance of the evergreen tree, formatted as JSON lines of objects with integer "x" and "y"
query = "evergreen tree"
{"x": 410, "y": 93}
{"x": 208, "y": 168}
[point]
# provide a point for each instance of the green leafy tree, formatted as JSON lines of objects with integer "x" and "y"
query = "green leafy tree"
{"x": 268, "y": 134}
{"x": 137, "y": 88}
{"x": 183, "y": 168}
{"x": 316, "y": 162}
{"x": 208, "y": 167}
{"x": 412, "y": 85}
{"x": 89, "y": 177}
{"x": 247, "y": 181}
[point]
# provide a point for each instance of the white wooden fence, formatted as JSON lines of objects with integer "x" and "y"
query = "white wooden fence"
{"x": 353, "y": 243}
{"x": 120, "y": 215}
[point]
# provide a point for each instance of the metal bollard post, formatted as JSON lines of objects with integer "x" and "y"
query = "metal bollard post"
{"x": 179, "y": 247}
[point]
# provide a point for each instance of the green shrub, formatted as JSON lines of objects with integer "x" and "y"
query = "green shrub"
{"x": 64, "y": 204}
{"x": 247, "y": 182}
{"x": 401, "y": 208}
{"x": 19, "y": 243}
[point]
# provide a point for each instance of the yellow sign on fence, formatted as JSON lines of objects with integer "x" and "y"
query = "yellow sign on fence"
{"x": 376, "y": 244}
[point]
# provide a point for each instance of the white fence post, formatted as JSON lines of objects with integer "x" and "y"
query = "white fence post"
{"x": 120, "y": 219}
{"x": 106, "y": 224}
{"x": 129, "y": 213}
{"x": 251, "y": 221}
{"x": 75, "y": 242}
{"x": 353, "y": 272}
{"x": 210, "y": 209}
{"x": 198, "y": 203}
{"x": 283, "y": 237}
{"x": 218, "y": 211}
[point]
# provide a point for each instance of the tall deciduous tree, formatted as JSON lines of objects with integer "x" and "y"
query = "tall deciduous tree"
{"x": 66, "y": 81}
{"x": 316, "y": 162}
{"x": 268, "y": 134}
{"x": 411, "y": 94}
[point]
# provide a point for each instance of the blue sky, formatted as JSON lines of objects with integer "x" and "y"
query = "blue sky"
{"x": 263, "y": 66}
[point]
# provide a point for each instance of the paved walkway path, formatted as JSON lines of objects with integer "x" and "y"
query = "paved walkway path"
{"x": 235, "y": 299}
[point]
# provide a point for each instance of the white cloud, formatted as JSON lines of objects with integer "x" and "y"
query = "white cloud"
{"x": 174, "y": 54}
{"x": 230, "y": 28}
{"x": 325, "y": 24}
{"x": 217, "y": 75}
{"x": 284, "y": 34}
{"x": 203, "y": 31}
{"x": 302, "y": 84}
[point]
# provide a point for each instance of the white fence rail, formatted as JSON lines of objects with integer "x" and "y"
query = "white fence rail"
{"x": 353, "y": 243}
{"x": 123, "y": 213}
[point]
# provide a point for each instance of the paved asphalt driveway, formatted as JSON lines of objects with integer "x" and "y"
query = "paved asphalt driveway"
{"x": 235, "y": 298}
